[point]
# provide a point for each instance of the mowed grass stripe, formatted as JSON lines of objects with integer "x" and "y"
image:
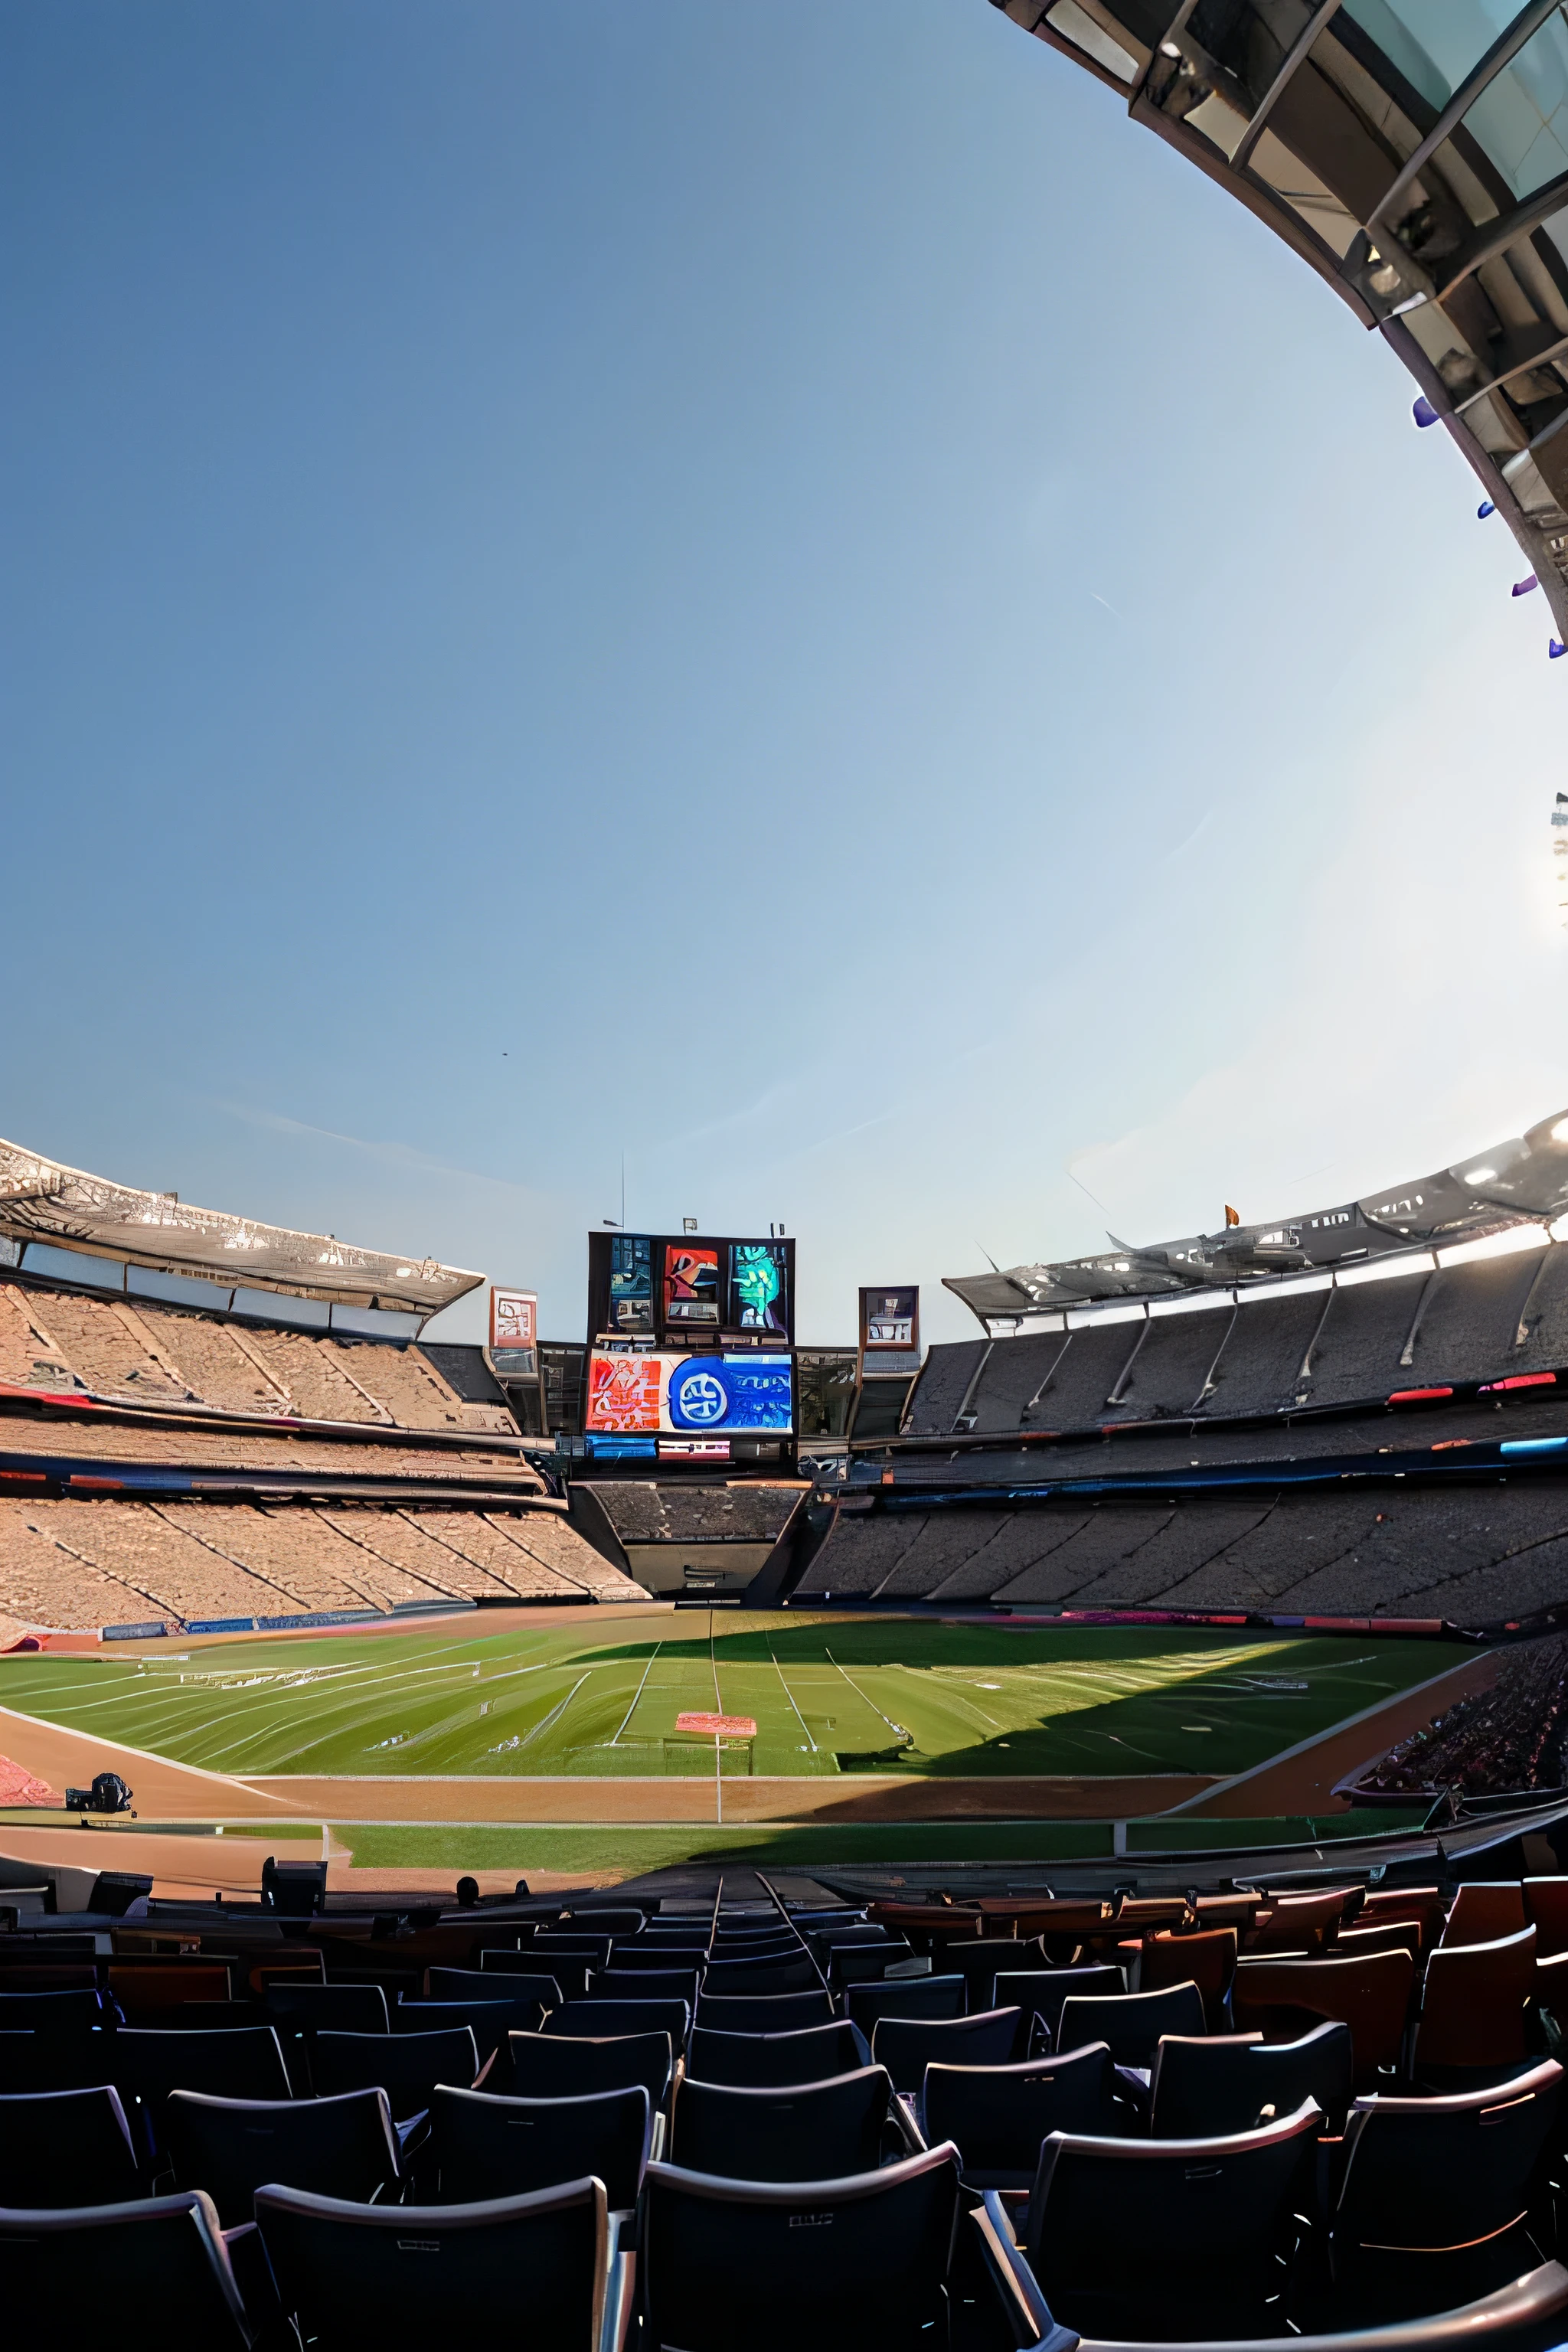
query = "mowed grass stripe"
{"x": 977, "y": 1698}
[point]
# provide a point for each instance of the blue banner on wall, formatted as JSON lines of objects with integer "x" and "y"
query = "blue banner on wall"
{"x": 715, "y": 1393}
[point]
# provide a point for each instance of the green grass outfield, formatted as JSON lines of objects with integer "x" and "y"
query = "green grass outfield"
{"x": 830, "y": 1694}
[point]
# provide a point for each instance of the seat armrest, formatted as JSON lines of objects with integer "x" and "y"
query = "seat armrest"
{"x": 660, "y": 2133}
{"x": 253, "y": 2276}
{"x": 620, "y": 2293}
{"x": 901, "y": 2125}
{"x": 1014, "y": 2284}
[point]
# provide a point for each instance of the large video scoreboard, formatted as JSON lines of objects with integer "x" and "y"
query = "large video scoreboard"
{"x": 690, "y": 1344}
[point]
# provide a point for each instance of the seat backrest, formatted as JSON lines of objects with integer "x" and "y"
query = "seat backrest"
{"x": 980, "y": 1960}
{"x": 338, "y": 2147}
{"x": 492, "y": 2021}
{"x": 1439, "y": 2173}
{"x": 836, "y": 2265}
{"x": 799, "y": 2131}
{"x": 998, "y": 2116}
{"x": 598, "y": 2018}
{"x": 1382, "y": 1935}
{"x": 609, "y": 1919}
{"x": 943, "y": 1996}
{"x": 490, "y": 1984}
{"x": 343, "y": 2008}
{"x": 235, "y": 2062}
{"x": 1207, "y": 1958}
{"x": 762, "y": 2061}
{"x": 1484, "y": 1911}
{"x": 406, "y": 2067}
{"x": 65, "y": 2148}
{"x": 1370, "y": 1994}
{"x": 656, "y": 1960}
{"x": 145, "y": 2275}
{"x": 1205, "y": 2216}
{"x": 482, "y": 2146}
{"x": 782, "y": 2013}
{"x": 75, "y": 2011}
{"x": 565, "y": 2066}
{"x": 1473, "y": 2002}
{"x": 1220, "y": 2084}
{"x": 530, "y": 2268}
{"x": 644, "y": 1984}
{"x": 1299, "y": 1923}
{"x": 762, "y": 1976}
{"x": 1040, "y": 1992}
{"x": 1131, "y": 2022}
{"x": 906, "y": 2046}
{"x": 547, "y": 1944}
{"x": 1546, "y": 1902}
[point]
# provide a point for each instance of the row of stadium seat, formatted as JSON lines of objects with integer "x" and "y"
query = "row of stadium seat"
{"x": 644, "y": 2168}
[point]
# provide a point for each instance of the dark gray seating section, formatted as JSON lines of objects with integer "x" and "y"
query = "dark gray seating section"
{"x": 643, "y": 1512}
{"x": 1470, "y": 1317}
{"x": 1356, "y": 1351}
{"x": 1474, "y": 1554}
{"x": 945, "y": 1375}
{"x": 1168, "y": 1373}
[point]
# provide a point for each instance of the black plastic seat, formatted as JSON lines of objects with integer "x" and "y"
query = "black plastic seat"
{"x": 784, "y": 2013}
{"x": 1040, "y": 1992}
{"x": 761, "y": 2061}
{"x": 236, "y": 2063}
{"x": 1435, "y": 2195}
{"x": 906, "y": 2046}
{"x": 942, "y": 1996}
{"x": 1132, "y": 2022}
{"x": 567, "y": 2067}
{"x": 406, "y": 2067}
{"x": 750, "y": 1977}
{"x": 491, "y": 2021}
{"x": 596, "y": 2019}
{"x": 1208, "y": 2221}
{"x": 77, "y": 2009}
{"x": 53, "y": 2061}
{"x": 998, "y": 2117}
{"x": 848, "y": 1964}
{"x": 656, "y": 1959}
{"x": 482, "y": 1984}
{"x": 340, "y": 2147}
{"x": 538, "y": 1967}
{"x": 66, "y": 2147}
{"x": 644, "y": 1984}
{"x": 1207, "y": 2084}
{"x": 979, "y": 1963}
{"x": 531, "y": 2270}
{"x": 146, "y": 2276}
{"x": 831, "y": 2265}
{"x": 339, "y": 2008}
{"x": 482, "y": 2146}
{"x": 800, "y": 2131}
{"x": 609, "y": 1918}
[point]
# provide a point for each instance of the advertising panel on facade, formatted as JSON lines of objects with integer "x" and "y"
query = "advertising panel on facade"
{"x": 690, "y": 1284}
{"x": 890, "y": 1317}
{"x": 689, "y": 1396}
{"x": 631, "y": 1282}
{"x": 514, "y": 1330}
{"x": 759, "y": 1288}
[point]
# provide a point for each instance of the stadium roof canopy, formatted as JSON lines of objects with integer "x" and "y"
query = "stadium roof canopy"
{"x": 1517, "y": 1186}
{"x": 40, "y": 1201}
{"x": 1414, "y": 153}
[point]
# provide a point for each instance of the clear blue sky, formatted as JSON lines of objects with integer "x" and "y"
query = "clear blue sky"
{"x": 779, "y": 591}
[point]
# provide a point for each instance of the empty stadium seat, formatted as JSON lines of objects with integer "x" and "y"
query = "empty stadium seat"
{"x": 66, "y": 2147}
{"x": 1474, "y": 2000}
{"x": 754, "y": 1977}
{"x": 1130, "y": 2023}
{"x": 814, "y": 2053}
{"x": 344, "y": 2146}
{"x": 1298, "y": 1923}
{"x": 784, "y": 2012}
{"x": 644, "y": 1984}
{"x": 350, "y": 2273}
{"x": 906, "y": 2046}
{"x": 596, "y": 2018}
{"x": 1218, "y": 2084}
{"x": 341, "y": 2008}
{"x": 406, "y": 2067}
{"x": 491, "y": 2021}
{"x": 941, "y": 1996}
{"x": 1207, "y": 1958}
{"x": 244, "y": 2063}
{"x": 147, "y": 2275}
{"x": 482, "y": 2146}
{"x": 979, "y": 1964}
{"x": 1484, "y": 1912}
{"x": 802, "y": 2131}
{"x": 52, "y": 2062}
{"x": 1371, "y": 1995}
{"x": 1209, "y": 2219}
{"x": 834, "y": 2265}
{"x": 1435, "y": 2193}
{"x": 567, "y": 2067}
{"x": 610, "y": 1919}
{"x": 1040, "y": 1992}
{"x": 481, "y": 1984}
{"x": 1546, "y": 1902}
{"x": 656, "y": 1960}
{"x": 68, "y": 2012}
{"x": 997, "y": 2116}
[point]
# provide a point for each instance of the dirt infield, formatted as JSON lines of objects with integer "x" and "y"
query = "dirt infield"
{"x": 844, "y": 1797}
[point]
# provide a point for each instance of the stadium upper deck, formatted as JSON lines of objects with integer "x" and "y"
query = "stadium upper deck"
{"x": 1415, "y": 155}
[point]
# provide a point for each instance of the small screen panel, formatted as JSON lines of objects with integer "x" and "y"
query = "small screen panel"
{"x": 691, "y": 1396}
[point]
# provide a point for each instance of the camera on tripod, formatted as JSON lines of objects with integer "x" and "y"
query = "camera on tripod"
{"x": 107, "y": 1794}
